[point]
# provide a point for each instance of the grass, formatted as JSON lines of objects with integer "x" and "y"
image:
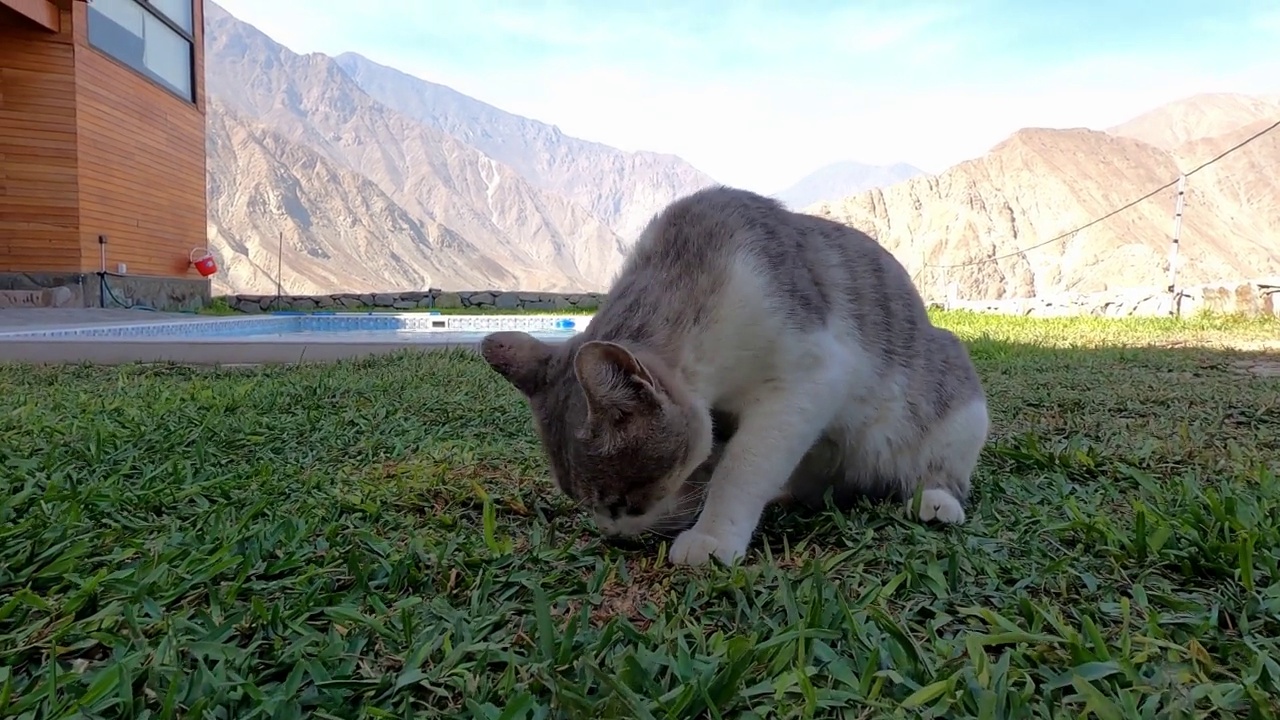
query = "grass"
{"x": 377, "y": 539}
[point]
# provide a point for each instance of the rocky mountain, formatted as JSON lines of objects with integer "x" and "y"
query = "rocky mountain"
{"x": 1040, "y": 183}
{"x": 621, "y": 188}
{"x": 373, "y": 180}
{"x": 842, "y": 179}
{"x": 338, "y": 228}
{"x": 282, "y": 123}
{"x": 1199, "y": 116}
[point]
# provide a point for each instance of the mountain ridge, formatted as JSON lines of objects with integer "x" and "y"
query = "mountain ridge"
{"x": 842, "y": 178}
{"x": 1197, "y": 116}
{"x": 540, "y": 238}
{"x": 1040, "y": 183}
{"x": 311, "y": 150}
{"x": 622, "y": 188}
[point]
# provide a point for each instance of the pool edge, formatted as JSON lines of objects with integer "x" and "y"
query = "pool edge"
{"x": 188, "y": 352}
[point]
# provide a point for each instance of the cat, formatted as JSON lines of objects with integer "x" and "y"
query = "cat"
{"x": 804, "y": 333}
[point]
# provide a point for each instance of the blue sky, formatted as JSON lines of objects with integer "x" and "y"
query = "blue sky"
{"x": 759, "y": 93}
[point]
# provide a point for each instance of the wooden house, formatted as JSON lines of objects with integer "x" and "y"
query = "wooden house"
{"x": 102, "y": 149}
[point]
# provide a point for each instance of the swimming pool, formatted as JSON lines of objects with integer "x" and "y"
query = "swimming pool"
{"x": 272, "y": 338}
{"x": 425, "y": 327}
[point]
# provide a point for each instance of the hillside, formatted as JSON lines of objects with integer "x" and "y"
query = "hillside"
{"x": 842, "y": 179}
{"x": 1196, "y": 117}
{"x": 339, "y": 229}
{"x": 623, "y": 189}
{"x": 509, "y": 230}
{"x": 1040, "y": 183}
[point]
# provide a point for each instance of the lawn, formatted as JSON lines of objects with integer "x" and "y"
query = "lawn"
{"x": 378, "y": 539}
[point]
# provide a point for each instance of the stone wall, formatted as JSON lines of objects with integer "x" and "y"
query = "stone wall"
{"x": 86, "y": 290}
{"x": 1249, "y": 298}
{"x": 422, "y": 299}
{"x": 1256, "y": 297}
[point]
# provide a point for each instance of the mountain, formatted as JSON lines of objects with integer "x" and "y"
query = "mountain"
{"x": 339, "y": 229}
{"x": 374, "y": 180}
{"x": 842, "y": 179}
{"x": 1040, "y": 183}
{"x": 281, "y": 124}
{"x": 623, "y": 189}
{"x": 1198, "y": 116}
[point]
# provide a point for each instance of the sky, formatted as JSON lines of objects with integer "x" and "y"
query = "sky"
{"x": 758, "y": 94}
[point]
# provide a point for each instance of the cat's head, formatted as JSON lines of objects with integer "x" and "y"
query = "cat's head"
{"x": 622, "y": 435}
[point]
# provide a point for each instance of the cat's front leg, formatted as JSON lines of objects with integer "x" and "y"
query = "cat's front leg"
{"x": 777, "y": 427}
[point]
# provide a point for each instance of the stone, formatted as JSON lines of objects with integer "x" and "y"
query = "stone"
{"x": 1256, "y": 297}
{"x": 1214, "y": 299}
{"x": 59, "y": 296}
{"x": 21, "y": 298}
{"x": 1246, "y": 300}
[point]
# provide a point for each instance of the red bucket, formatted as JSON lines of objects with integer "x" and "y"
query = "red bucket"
{"x": 204, "y": 262}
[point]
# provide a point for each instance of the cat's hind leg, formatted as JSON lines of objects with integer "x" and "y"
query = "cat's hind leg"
{"x": 947, "y": 457}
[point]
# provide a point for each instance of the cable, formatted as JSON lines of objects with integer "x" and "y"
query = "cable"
{"x": 1117, "y": 211}
{"x": 1238, "y": 145}
{"x": 102, "y": 279}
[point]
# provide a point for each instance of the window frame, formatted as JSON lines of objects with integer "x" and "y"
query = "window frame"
{"x": 173, "y": 25}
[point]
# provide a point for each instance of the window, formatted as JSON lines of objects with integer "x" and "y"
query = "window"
{"x": 154, "y": 37}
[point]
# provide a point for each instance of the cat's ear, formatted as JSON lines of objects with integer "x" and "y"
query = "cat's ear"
{"x": 519, "y": 357}
{"x": 616, "y": 383}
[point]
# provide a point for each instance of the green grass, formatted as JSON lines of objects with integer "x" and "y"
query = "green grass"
{"x": 377, "y": 539}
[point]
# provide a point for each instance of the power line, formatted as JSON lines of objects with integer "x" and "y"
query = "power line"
{"x": 1117, "y": 211}
{"x": 1236, "y": 147}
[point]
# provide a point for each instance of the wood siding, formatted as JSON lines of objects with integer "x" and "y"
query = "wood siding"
{"x": 39, "y": 208}
{"x": 90, "y": 147}
{"x": 142, "y": 162}
{"x": 42, "y": 12}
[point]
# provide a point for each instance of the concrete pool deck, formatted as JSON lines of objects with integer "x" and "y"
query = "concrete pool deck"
{"x": 19, "y": 319}
{"x": 195, "y": 350}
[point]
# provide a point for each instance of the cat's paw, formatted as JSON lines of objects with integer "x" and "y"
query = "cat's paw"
{"x": 694, "y": 547}
{"x": 938, "y": 505}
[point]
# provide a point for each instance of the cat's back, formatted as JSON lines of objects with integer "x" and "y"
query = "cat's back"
{"x": 700, "y": 233}
{"x": 723, "y": 246}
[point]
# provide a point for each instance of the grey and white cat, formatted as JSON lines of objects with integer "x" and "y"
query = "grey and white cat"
{"x": 804, "y": 334}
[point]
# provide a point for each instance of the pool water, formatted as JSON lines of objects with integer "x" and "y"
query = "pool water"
{"x": 324, "y": 327}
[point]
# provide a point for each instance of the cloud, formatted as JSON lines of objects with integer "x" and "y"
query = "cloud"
{"x": 758, "y": 93}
